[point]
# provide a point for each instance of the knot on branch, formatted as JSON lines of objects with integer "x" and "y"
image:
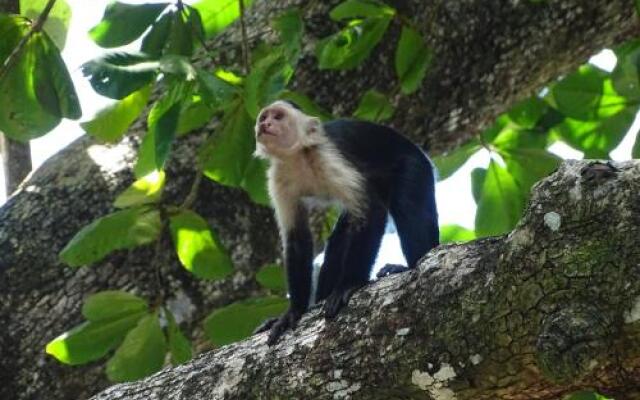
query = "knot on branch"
{"x": 571, "y": 340}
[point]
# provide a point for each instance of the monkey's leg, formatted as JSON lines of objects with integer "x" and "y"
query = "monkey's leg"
{"x": 334, "y": 258}
{"x": 413, "y": 208}
{"x": 365, "y": 242}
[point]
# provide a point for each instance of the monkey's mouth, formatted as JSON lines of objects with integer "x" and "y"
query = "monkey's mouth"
{"x": 266, "y": 132}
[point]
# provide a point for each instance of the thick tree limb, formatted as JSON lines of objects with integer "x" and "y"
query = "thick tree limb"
{"x": 550, "y": 308}
{"x": 488, "y": 54}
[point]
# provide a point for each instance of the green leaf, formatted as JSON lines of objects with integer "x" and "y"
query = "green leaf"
{"x": 145, "y": 190}
{"x": 587, "y": 94}
{"x": 112, "y": 122}
{"x": 181, "y": 37}
{"x": 412, "y": 60}
{"x": 146, "y": 162}
{"x": 529, "y": 165}
{"x": 157, "y": 39}
{"x": 374, "y": 106}
{"x": 124, "y": 229}
{"x": 501, "y": 202}
{"x": 91, "y": 340}
{"x": 447, "y": 164}
{"x": 635, "y": 152}
{"x": 123, "y": 23}
{"x": 478, "y": 176}
{"x": 268, "y": 77}
{"x": 596, "y": 138}
{"x": 198, "y": 248}
{"x": 227, "y": 154}
{"x": 218, "y": 14}
{"x": 306, "y": 104}
{"x": 214, "y": 90}
{"x": 163, "y": 123}
{"x": 349, "y": 47}
{"x": 528, "y": 112}
{"x": 238, "y": 320}
{"x": 194, "y": 114}
{"x": 112, "y": 304}
{"x": 117, "y": 75}
{"x": 179, "y": 345}
{"x": 351, "y": 9}
{"x": 254, "y": 181}
{"x": 272, "y": 277}
{"x": 583, "y": 395}
{"x": 141, "y": 353}
{"x": 289, "y": 25}
{"x": 57, "y": 23}
{"x": 626, "y": 75}
{"x": 455, "y": 233}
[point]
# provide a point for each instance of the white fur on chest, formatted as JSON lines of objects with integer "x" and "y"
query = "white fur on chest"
{"x": 319, "y": 173}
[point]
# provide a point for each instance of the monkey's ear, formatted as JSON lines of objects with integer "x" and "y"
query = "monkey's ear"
{"x": 314, "y": 125}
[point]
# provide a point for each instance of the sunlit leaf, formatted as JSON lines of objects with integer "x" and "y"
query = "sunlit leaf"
{"x": 92, "y": 340}
{"x": 57, "y": 23}
{"x": 198, "y": 249}
{"x": 374, "y": 106}
{"x": 216, "y": 91}
{"x": 117, "y": 75}
{"x": 112, "y": 304}
{"x": 349, "y": 47}
{"x": 528, "y": 166}
{"x": 501, "y": 202}
{"x": 412, "y": 60}
{"x": 238, "y": 320}
{"x": 145, "y": 190}
{"x": 455, "y": 233}
{"x": 528, "y": 112}
{"x": 447, "y": 164}
{"x": 122, "y": 23}
{"x": 112, "y": 122}
{"x": 179, "y": 345}
{"x": 272, "y": 277}
{"x": 351, "y": 9}
{"x": 218, "y": 14}
{"x": 121, "y": 230}
{"x": 141, "y": 353}
{"x": 195, "y": 113}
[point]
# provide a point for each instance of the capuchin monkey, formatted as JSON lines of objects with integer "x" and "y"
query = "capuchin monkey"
{"x": 371, "y": 171}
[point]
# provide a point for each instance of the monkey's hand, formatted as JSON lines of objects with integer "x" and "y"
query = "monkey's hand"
{"x": 277, "y": 326}
{"x": 390, "y": 269}
{"x": 338, "y": 299}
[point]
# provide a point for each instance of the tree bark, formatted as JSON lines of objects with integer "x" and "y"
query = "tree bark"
{"x": 487, "y": 56}
{"x": 550, "y": 308}
{"x": 16, "y": 156}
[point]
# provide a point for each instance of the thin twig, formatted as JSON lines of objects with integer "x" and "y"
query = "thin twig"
{"x": 193, "y": 192}
{"x": 245, "y": 42}
{"x": 36, "y": 27}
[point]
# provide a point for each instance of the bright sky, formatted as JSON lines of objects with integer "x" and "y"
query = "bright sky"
{"x": 454, "y": 198}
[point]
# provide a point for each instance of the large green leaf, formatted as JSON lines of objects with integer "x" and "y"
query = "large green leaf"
{"x": 117, "y": 75}
{"x": 198, "y": 248}
{"x": 269, "y": 76}
{"x": 57, "y": 23}
{"x": 218, "y": 14}
{"x": 455, "y": 233}
{"x": 112, "y": 304}
{"x": 349, "y": 47}
{"x": 195, "y": 113}
{"x": 141, "y": 353}
{"x": 214, "y": 90}
{"x": 146, "y": 162}
{"x": 92, "y": 340}
{"x": 112, "y": 122}
{"x": 596, "y": 138}
{"x": 145, "y": 190}
{"x": 272, "y": 277}
{"x": 352, "y": 9}
{"x": 163, "y": 124}
{"x": 501, "y": 202}
{"x": 226, "y": 155}
{"x": 447, "y": 164}
{"x": 289, "y": 25}
{"x": 626, "y": 75}
{"x": 478, "y": 176}
{"x": 306, "y": 104}
{"x": 121, "y": 230}
{"x": 529, "y": 165}
{"x": 374, "y": 106}
{"x": 412, "y": 60}
{"x": 179, "y": 345}
{"x": 587, "y": 94}
{"x": 123, "y": 23}
{"x": 254, "y": 181}
{"x": 238, "y": 320}
{"x": 527, "y": 113}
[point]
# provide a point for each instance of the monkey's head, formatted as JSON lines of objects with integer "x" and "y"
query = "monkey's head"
{"x": 283, "y": 130}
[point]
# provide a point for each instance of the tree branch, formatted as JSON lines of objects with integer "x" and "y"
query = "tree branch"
{"x": 552, "y": 307}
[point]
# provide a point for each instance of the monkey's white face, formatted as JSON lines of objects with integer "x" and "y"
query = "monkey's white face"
{"x": 278, "y": 129}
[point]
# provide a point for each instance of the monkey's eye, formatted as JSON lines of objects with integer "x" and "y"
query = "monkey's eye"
{"x": 278, "y": 116}
{"x": 262, "y": 117}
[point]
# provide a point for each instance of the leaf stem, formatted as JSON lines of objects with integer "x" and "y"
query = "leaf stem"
{"x": 35, "y": 27}
{"x": 245, "y": 42}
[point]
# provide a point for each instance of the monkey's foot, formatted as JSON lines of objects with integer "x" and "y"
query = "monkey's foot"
{"x": 338, "y": 299}
{"x": 278, "y": 326}
{"x": 390, "y": 269}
